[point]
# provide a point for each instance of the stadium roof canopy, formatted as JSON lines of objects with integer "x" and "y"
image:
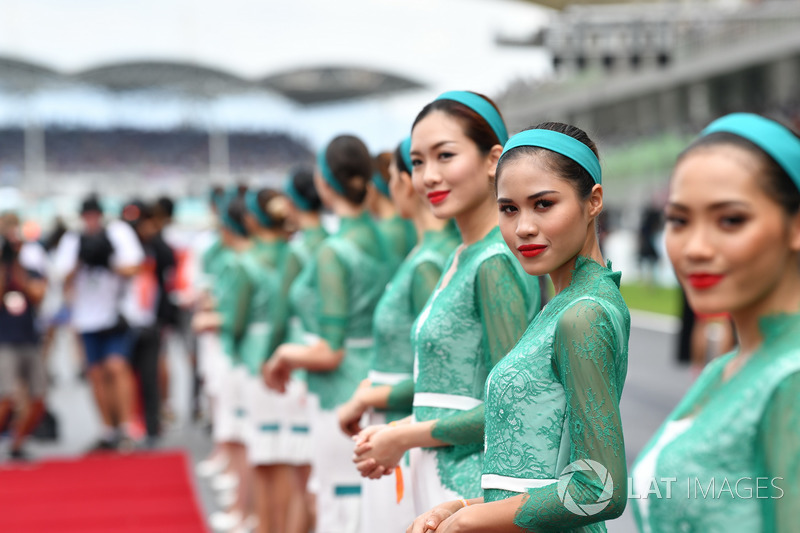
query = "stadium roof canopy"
{"x": 311, "y": 51}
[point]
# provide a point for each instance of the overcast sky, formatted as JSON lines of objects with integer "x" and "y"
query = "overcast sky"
{"x": 444, "y": 44}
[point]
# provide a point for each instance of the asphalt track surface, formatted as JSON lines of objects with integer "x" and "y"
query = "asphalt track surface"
{"x": 654, "y": 385}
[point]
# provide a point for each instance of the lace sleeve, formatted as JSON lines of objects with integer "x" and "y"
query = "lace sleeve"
{"x": 234, "y": 316}
{"x": 587, "y": 352}
{"x": 503, "y": 310}
{"x": 503, "y": 307}
{"x": 332, "y": 296}
{"x": 779, "y": 453}
{"x": 279, "y": 312}
{"x": 423, "y": 283}
{"x": 401, "y": 397}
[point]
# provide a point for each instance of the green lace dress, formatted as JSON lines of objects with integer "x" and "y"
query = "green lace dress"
{"x": 393, "y": 362}
{"x": 302, "y": 326}
{"x": 398, "y": 308}
{"x": 464, "y": 330}
{"x": 399, "y": 237}
{"x": 728, "y": 458}
{"x": 554, "y": 400}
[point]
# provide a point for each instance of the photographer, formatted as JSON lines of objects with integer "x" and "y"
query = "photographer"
{"x": 22, "y": 287}
{"x": 98, "y": 263}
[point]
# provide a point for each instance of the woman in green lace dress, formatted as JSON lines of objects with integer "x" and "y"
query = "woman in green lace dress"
{"x": 350, "y": 276}
{"x": 728, "y": 457}
{"x": 479, "y": 309}
{"x": 555, "y": 457}
{"x": 398, "y": 233}
{"x": 393, "y": 358}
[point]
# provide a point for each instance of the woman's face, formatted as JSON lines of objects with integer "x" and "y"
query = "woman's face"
{"x": 729, "y": 242}
{"x": 450, "y": 172}
{"x": 403, "y": 194}
{"x": 542, "y": 219}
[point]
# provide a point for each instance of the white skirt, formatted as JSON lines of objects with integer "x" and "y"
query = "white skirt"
{"x": 210, "y": 358}
{"x": 426, "y": 487}
{"x": 278, "y": 426}
{"x": 230, "y": 410}
{"x": 336, "y": 480}
{"x": 380, "y": 510}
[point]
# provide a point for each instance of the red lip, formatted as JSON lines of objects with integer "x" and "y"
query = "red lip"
{"x": 704, "y": 280}
{"x": 531, "y": 250}
{"x": 437, "y": 197}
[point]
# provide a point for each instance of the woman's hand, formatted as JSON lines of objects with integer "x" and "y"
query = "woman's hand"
{"x": 431, "y": 520}
{"x": 350, "y": 414}
{"x": 379, "y": 451}
{"x": 277, "y": 372}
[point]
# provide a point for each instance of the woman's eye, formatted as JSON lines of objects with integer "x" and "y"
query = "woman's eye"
{"x": 543, "y": 204}
{"x": 507, "y": 209}
{"x": 446, "y": 155}
{"x": 416, "y": 162}
{"x": 675, "y": 221}
{"x": 732, "y": 221}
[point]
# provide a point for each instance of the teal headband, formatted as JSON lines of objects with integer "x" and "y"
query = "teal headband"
{"x": 294, "y": 195}
{"x": 251, "y": 201}
{"x": 381, "y": 185}
{"x": 405, "y": 152}
{"x": 560, "y": 144}
{"x": 775, "y": 139}
{"x": 482, "y": 107}
{"x": 327, "y": 173}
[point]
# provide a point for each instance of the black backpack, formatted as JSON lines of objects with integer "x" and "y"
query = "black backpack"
{"x": 95, "y": 249}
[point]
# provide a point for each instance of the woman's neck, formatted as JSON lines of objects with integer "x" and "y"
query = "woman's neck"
{"x": 476, "y": 223}
{"x": 266, "y": 235}
{"x": 344, "y": 209}
{"x": 562, "y": 276}
{"x": 424, "y": 221}
{"x": 308, "y": 220}
{"x": 384, "y": 208}
{"x": 783, "y": 298}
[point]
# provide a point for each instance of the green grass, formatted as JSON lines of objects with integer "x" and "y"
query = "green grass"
{"x": 662, "y": 300}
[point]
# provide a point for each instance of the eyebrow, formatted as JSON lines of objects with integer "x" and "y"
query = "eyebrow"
{"x": 531, "y": 197}
{"x": 714, "y": 206}
{"x": 434, "y": 147}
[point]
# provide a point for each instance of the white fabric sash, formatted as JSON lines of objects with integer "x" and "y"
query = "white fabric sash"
{"x": 445, "y": 401}
{"x": 513, "y": 484}
{"x": 387, "y": 378}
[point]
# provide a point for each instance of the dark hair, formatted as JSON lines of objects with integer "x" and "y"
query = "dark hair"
{"x": 275, "y": 205}
{"x": 164, "y": 206}
{"x": 382, "y": 162}
{"x": 777, "y": 185}
{"x": 561, "y": 165}
{"x": 476, "y": 128}
{"x": 236, "y": 211}
{"x": 50, "y": 242}
{"x": 399, "y": 160}
{"x": 91, "y": 204}
{"x": 303, "y": 181}
{"x": 351, "y": 165}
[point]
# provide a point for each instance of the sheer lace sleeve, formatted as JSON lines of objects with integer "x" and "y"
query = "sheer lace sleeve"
{"x": 235, "y": 313}
{"x": 503, "y": 308}
{"x": 588, "y": 349}
{"x": 401, "y": 398}
{"x": 779, "y": 453}
{"x": 279, "y": 312}
{"x": 423, "y": 283}
{"x": 332, "y": 288}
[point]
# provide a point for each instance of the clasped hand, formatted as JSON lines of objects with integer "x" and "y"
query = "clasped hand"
{"x": 378, "y": 450}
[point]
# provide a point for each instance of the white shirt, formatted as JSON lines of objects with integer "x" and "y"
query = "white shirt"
{"x": 98, "y": 292}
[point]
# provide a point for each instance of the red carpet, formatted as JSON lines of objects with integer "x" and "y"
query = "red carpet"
{"x": 139, "y": 493}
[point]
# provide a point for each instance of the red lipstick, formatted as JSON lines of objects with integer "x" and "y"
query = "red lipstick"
{"x": 703, "y": 280}
{"x": 531, "y": 250}
{"x": 437, "y": 197}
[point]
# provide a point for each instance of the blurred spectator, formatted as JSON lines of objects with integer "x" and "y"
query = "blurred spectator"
{"x": 648, "y": 253}
{"x": 22, "y": 288}
{"x": 98, "y": 263}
